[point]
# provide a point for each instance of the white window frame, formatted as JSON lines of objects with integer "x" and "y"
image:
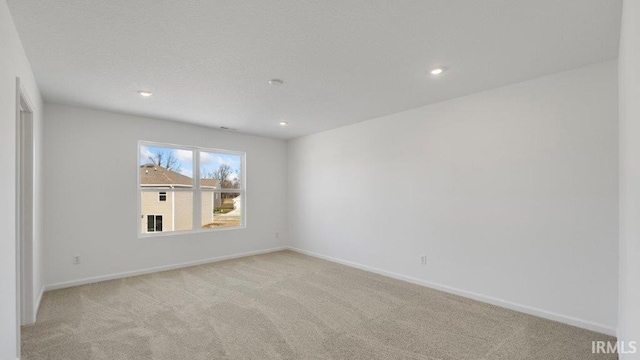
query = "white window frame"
{"x": 196, "y": 190}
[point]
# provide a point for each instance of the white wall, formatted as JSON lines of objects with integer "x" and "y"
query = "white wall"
{"x": 91, "y": 169}
{"x": 512, "y": 194}
{"x": 629, "y": 83}
{"x": 14, "y": 63}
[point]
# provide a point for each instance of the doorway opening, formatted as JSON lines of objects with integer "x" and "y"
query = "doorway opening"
{"x": 24, "y": 209}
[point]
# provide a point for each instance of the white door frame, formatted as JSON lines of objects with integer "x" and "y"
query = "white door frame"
{"x": 24, "y": 209}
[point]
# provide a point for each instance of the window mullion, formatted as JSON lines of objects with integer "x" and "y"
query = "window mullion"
{"x": 197, "y": 198}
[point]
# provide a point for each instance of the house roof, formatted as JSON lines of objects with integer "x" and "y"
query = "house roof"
{"x": 209, "y": 183}
{"x": 154, "y": 175}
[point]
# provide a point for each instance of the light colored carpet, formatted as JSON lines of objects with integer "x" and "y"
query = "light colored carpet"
{"x": 286, "y": 306}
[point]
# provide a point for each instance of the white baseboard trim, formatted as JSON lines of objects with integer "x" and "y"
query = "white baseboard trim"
{"x": 585, "y": 324}
{"x": 66, "y": 284}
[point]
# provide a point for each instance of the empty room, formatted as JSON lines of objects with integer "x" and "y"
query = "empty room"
{"x": 320, "y": 179}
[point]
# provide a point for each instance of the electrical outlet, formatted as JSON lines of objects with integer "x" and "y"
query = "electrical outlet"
{"x": 76, "y": 259}
{"x": 423, "y": 259}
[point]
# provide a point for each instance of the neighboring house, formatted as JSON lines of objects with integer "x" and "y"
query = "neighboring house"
{"x": 172, "y": 210}
{"x": 210, "y": 200}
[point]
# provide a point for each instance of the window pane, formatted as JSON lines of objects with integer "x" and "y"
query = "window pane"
{"x": 163, "y": 167}
{"x": 151, "y": 223}
{"x": 221, "y": 209}
{"x": 220, "y": 170}
{"x": 158, "y": 222}
{"x": 174, "y": 214}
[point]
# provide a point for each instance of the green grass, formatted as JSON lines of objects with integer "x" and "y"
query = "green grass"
{"x": 226, "y": 206}
{"x": 222, "y": 210}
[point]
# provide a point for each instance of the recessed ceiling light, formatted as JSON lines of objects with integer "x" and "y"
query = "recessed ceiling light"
{"x": 437, "y": 71}
{"x": 283, "y": 123}
{"x": 276, "y": 82}
{"x": 145, "y": 93}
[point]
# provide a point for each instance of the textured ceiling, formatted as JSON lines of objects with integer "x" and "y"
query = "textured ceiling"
{"x": 343, "y": 61}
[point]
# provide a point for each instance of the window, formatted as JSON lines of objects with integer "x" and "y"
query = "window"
{"x": 154, "y": 223}
{"x": 177, "y": 182}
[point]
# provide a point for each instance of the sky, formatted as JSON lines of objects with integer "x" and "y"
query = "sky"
{"x": 209, "y": 161}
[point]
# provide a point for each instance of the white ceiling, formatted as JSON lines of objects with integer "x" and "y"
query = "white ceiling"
{"x": 343, "y": 61}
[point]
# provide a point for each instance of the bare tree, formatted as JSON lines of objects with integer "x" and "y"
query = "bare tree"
{"x": 169, "y": 162}
{"x": 207, "y": 175}
{"x": 224, "y": 176}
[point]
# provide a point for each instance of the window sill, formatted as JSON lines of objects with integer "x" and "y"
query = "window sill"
{"x": 190, "y": 232}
